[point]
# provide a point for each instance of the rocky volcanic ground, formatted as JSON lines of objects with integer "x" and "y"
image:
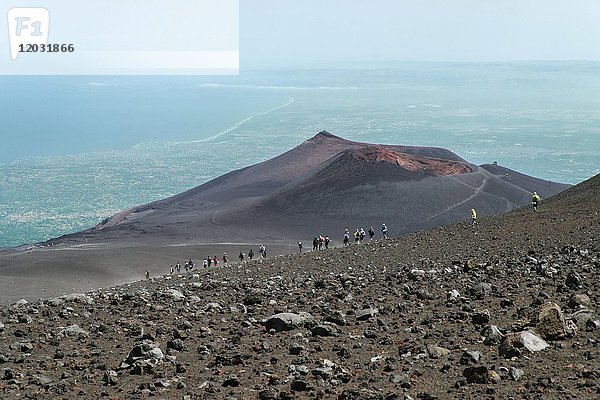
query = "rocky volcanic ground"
{"x": 506, "y": 309}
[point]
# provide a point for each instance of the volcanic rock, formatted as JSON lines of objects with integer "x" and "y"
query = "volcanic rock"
{"x": 491, "y": 335}
{"x": 579, "y": 300}
{"x": 73, "y": 330}
{"x": 481, "y": 290}
{"x": 365, "y": 314}
{"x": 288, "y": 321}
{"x": 437, "y": 351}
{"x": 481, "y": 375}
{"x": 551, "y": 322}
{"x": 512, "y": 344}
{"x": 71, "y": 298}
{"x": 470, "y": 357}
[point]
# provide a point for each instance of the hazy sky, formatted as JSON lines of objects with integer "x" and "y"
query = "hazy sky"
{"x": 293, "y": 32}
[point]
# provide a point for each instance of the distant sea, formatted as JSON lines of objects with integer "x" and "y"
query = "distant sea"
{"x": 75, "y": 150}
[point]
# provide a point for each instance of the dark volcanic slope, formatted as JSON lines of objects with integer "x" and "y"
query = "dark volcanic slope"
{"x": 261, "y": 179}
{"x": 325, "y": 185}
{"x": 431, "y": 315}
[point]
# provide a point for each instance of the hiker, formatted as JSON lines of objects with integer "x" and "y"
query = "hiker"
{"x": 147, "y": 274}
{"x": 362, "y": 234}
{"x": 263, "y": 251}
{"x": 209, "y": 260}
{"x": 205, "y": 263}
{"x": 185, "y": 266}
{"x": 473, "y": 217}
{"x": 216, "y": 261}
{"x": 172, "y": 269}
{"x": 321, "y": 242}
{"x": 356, "y": 236}
{"x": 384, "y": 231}
{"x": 371, "y": 233}
{"x": 250, "y": 254}
{"x": 315, "y": 243}
{"x": 225, "y": 259}
{"x": 191, "y": 264}
{"x": 241, "y": 256}
{"x": 300, "y": 246}
{"x": 535, "y": 199}
{"x": 178, "y": 267}
{"x": 327, "y": 241}
{"x": 347, "y": 238}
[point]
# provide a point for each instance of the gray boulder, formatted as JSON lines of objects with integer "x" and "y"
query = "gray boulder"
{"x": 491, "y": 335}
{"x": 73, "y": 330}
{"x": 470, "y": 357}
{"x": 365, "y": 314}
{"x": 175, "y": 294}
{"x": 71, "y": 298}
{"x": 437, "y": 351}
{"x": 579, "y": 300}
{"x": 513, "y": 344}
{"x": 288, "y": 321}
{"x": 480, "y": 291}
{"x": 144, "y": 356}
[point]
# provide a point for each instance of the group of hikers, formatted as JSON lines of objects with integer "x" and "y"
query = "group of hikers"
{"x": 319, "y": 242}
{"x": 210, "y": 261}
{"x": 262, "y": 253}
{"x": 360, "y": 234}
{"x": 323, "y": 242}
{"x": 188, "y": 266}
{"x": 535, "y": 201}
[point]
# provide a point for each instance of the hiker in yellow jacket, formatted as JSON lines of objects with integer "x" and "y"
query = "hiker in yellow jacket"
{"x": 473, "y": 217}
{"x": 535, "y": 199}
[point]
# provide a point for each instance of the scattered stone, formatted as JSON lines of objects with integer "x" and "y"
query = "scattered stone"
{"x": 551, "y": 322}
{"x": 507, "y": 303}
{"x": 480, "y": 291}
{"x": 515, "y": 373}
{"x": 297, "y": 349}
{"x": 337, "y": 317}
{"x": 581, "y": 316}
{"x": 481, "y": 317}
{"x": 574, "y": 281}
{"x": 231, "y": 381}
{"x": 175, "y": 294}
{"x": 110, "y": 378}
{"x": 453, "y": 295}
{"x": 299, "y": 385}
{"x": 491, "y": 335}
{"x": 288, "y": 321}
{"x": 24, "y": 319}
{"x": 41, "y": 380}
{"x": 592, "y": 325}
{"x": 482, "y": 375}
{"x": 402, "y": 380}
{"x": 579, "y": 301}
{"x": 71, "y": 298}
{"x": 73, "y": 330}
{"x": 437, "y": 351}
{"x": 365, "y": 314}
{"x": 470, "y": 357}
{"x": 324, "y": 329}
{"x": 175, "y": 344}
{"x": 144, "y": 356}
{"x": 513, "y": 343}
